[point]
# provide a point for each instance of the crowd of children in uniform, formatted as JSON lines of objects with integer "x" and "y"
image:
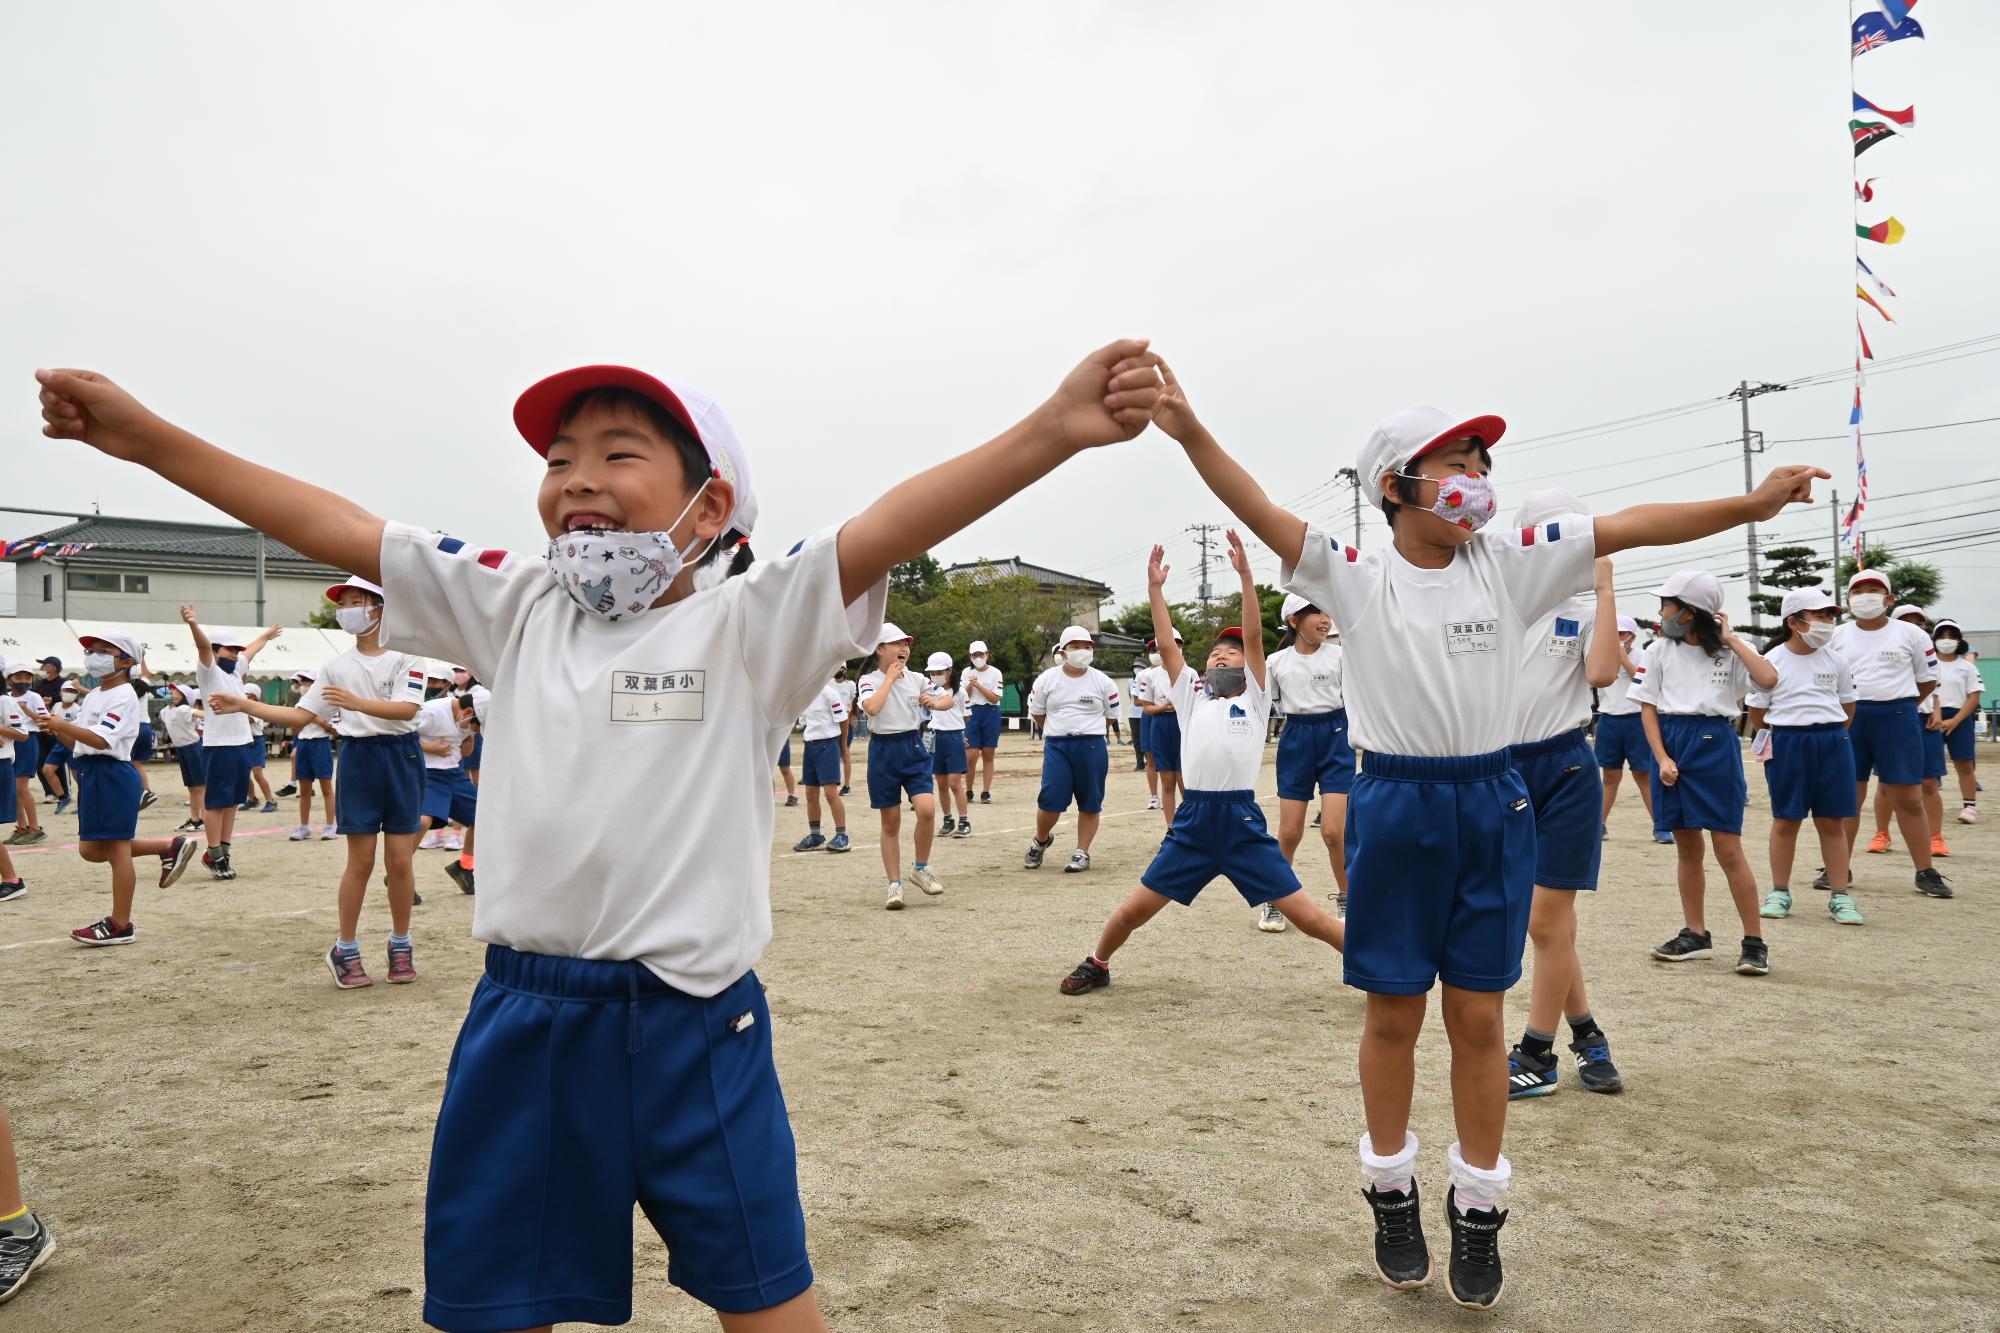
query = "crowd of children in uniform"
{"x": 1442, "y": 732}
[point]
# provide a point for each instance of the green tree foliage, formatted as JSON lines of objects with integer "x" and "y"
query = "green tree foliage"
{"x": 1790, "y": 567}
{"x": 917, "y": 580}
{"x": 1198, "y": 625}
{"x": 1018, "y": 621}
{"x": 1914, "y": 580}
{"x": 323, "y": 618}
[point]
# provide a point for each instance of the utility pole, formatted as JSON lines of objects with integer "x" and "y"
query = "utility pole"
{"x": 1202, "y": 539}
{"x": 1833, "y": 571}
{"x": 1353, "y": 479}
{"x": 260, "y": 578}
{"x": 1753, "y": 443}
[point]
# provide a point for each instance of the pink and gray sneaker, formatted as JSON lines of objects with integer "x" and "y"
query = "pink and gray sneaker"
{"x": 402, "y": 963}
{"x": 348, "y": 973}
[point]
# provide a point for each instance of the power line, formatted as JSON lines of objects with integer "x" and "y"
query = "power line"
{"x": 1904, "y": 430}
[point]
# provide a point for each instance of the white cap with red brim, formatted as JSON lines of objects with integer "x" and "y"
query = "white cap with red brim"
{"x": 1402, "y": 439}
{"x": 352, "y": 581}
{"x": 122, "y": 644}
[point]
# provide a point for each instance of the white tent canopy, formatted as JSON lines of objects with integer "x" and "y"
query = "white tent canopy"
{"x": 32, "y": 640}
{"x": 170, "y": 647}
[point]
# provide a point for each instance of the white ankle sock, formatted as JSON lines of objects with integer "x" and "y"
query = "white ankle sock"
{"x": 1392, "y": 1173}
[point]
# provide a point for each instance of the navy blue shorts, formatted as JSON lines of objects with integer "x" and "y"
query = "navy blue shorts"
{"x": 947, "y": 752}
{"x": 381, "y": 785}
{"x": 58, "y": 756}
{"x": 450, "y": 797}
{"x": 1811, "y": 772}
{"x": 1621, "y": 743}
{"x": 577, "y": 1088}
{"x": 1220, "y": 833}
{"x": 1566, "y": 790}
{"x": 226, "y": 775}
{"x": 1710, "y": 792}
{"x": 107, "y": 801}
{"x": 1073, "y": 769}
{"x": 982, "y": 727}
{"x": 822, "y": 763}
{"x": 1440, "y": 873}
{"x": 785, "y": 755}
{"x": 10, "y": 798}
{"x": 1142, "y": 732}
{"x": 260, "y": 749}
{"x": 898, "y": 765}
{"x": 1934, "y": 759}
{"x": 1888, "y": 741}
{"x": 478, "y": 752}
{"x": 1962, "y": 745}
{"x": 1314, "y": 754}
{"x": 1163, "y": 739}
{"x": 142, "y": 744}
{"x": 194, "y": 768}
{"x": 312, "y": 760}
{"x": 28, "y": 755}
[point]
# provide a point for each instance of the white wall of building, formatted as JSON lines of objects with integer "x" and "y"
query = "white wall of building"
{"x": 221, "y": 598}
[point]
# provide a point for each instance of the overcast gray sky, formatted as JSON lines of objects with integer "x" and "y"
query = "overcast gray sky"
{"x": 341, "y": 241}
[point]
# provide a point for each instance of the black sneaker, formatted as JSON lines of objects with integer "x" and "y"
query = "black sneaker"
{"x": 1755, "y": 960}
{"x": 1531, "y": 1075}
{"x": 189, "y": 826}
{"x": 12, "y": 889}
{"x": 1933, "y": 885}
{"x": 1594, "y": 1069}
{"x": 1401, "y": 1256}
{"x": 950, "y": 826}
{"x": 986, "y": 798}
{"x": 1475, "y": 1278}
{"x": 146, "y": 798}
{"x": 846, "y": 791}
{"x": 1686, "y": 947}
{"x": 20, "y": 1256}
{"x": 1087, "y": 977}
{"x": 218, "y": 866}
{"x": 460, "y": 876}
{"x": 1822, "y": 880}
{"x": 289, "y": 789}
{"x": 1036, "y": 850}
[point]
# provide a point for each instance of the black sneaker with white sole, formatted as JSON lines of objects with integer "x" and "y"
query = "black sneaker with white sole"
{"x": 1474, "y": 1279}
{"x": 1933, "y": 885}
{"x": 1036, "y": 851}
{"x": 1594, "y": 1069}
{"x": 1755, "y": 960}
{"x": 1087, "y": 976}
{"x": 1401, "y": 1255}
{"x": 1686, "y": 947}
{"x": 948, "y": 827}
{"x": 459, "y": 875}
{"x": 20, "y": 1256}
{"x": 1822, "y": 880}
{"x": 12, "y": 889}
{"x": 146, "y": 798}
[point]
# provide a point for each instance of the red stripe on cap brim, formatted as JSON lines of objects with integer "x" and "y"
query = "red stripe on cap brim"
{"x": 538, "y": 411}
{"x": 1489, "y": 429}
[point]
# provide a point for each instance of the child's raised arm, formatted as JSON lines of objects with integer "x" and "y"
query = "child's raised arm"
{"x": 1275, "y": 526}
{"x": 1252, "y": 619}
{"x": 1600, "y": 665}
{"x": 262, "y": 641}
{"x": 1106, "y": 399}
{"x": 1671, "y": 524}
{"x": 83, "y": 405}
{"x": 1172, "y": 659}
{"x": 281, "y": 715}
{"x": 204, "y": 651}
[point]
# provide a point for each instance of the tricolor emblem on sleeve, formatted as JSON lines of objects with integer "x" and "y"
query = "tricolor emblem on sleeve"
{"x": 1348, "y": 552}
{"x": 1545, "y": 532}
{"x": 416, "y": 682}
{"x": 490, "y": 559}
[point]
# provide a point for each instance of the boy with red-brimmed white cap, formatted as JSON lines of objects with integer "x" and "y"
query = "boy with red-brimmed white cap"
{"x": 100, "y": 741}
{"x": 1441, "y": 851}
{"x": 622, "y": 953}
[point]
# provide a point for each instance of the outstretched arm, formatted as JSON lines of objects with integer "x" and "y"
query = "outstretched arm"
{"x": 1107, "y": 399}
{"x": 83, "y": 405}
{"x": 1171, "y": 657}
{"x": 1671, "y": 524}
{"x": 283, "y": 715}
{"x": 257, "y": 645}
{"x": 1253, "y": 611}
{"x": 393, "y": 710}
{"x": 1275, "y": 526}
{"x": 1763, "y": 672}
{"x": 203, "y": 650}
{"x": 1600, "y": 666}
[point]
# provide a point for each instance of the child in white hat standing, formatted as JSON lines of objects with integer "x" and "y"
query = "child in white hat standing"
{"x": 1315, "y": 756}
{"x": 981, "y": 687}
{"x": 896, "y": 703}
{"x": 1072, "y": 703}
{"x": 948, "y": 747}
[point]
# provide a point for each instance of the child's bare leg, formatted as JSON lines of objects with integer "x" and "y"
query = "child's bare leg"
{"x": 1644, "y": 782}
{"x": 354, "y": 881}
{"x": 812, "y": 805}
{"x": 1612, "y": 777}
{"x": 1784, "y": 849}
{"x": 1741, "y": 879}
{"x": 797, "y": 1315}
{"x": 1152, "y": 776}
{"x": 1086, "y": 827}
{"x": 10, "y": 1171}
{"x": 1907, "y": 798}
{"x": 791, "y": 782}
{"x": 1291, "y": 828}
{"x": 399, "y": 850}
{"x": 1045, "y": 823}
{"x": 1142, "y": 906}
{"x": 31, "y": 818}
{"x": 1475, "y": 1023}
{"x": 1833, "y": 846}
{"x": 1552, "y": 930}
{"x": 1170, "y": 795}
{"x": 145, "y": 778}
{"x": 837, "y": 806}
{"x": 1934, "y": 806}
{"x": 1388, "y": 1060}
{"x": 1691, "y": 879}
{"x": 892, "y": 832}
{"x": 1333, "y": 832}
{"x": 1968, "y": 781}
{"x": 1300, "y": 909}
{"x": 124, "y": 879}
{"x": 926, "y": 827}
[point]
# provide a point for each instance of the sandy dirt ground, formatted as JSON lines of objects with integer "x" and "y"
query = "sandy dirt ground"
{"x": 223, "y": 1141}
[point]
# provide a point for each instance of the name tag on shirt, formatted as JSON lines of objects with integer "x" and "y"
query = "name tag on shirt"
{"x": 657, "y": 696}
{"x": 1472, "y": 636}
{"x": 1826, "y": 680}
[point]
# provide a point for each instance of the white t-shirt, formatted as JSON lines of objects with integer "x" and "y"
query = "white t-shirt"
{"x": 826, "y": 712}
{"x": 32, "y": 708}
{"x": 223, "y": 728}
{"x": 10, "y": 716}
{"x": 179, "y": 722}
{"x": 902, "y": 711}
{"x": 1888, "y": 663}
{"x": 1159, "y": 690}
{"x": 113, "y": 714}
{"x": 437, "y": 721}
{"x": 1431, "y": 657}
{"x": 1142, "y": 692}
{"x": 1811, "y": 688}
{"x": 989, "y": 676}
{"x": 946, "y": 719}
{"x": 1614, "y": 700}
{"x": 1306, "y": 683}
{"x": 1681, "y": 678}
{"x": 667, "y": 720}
{"x": 312, "y": 731}
{"x": 1555, "y": 696}
{"x": 1958, "y": 680}
{"x": 1073, "y": 705}
{"x": 1222, "y": 740}
{"x": 846, "y": 688}
{"x": 390, "y": 677}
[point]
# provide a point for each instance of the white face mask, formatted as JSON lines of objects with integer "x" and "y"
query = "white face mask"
{"x": 99, "y": 665}
{"x": 979, "y": 661}
{"x": 1079, "y": 658}
{"x": 1819, "y": 634}
{"x": 620, "y": 574}
{"x": 1949, "y": 647}
{"x": 1153, "y": 658}
{"x": 356, "y": 620}
{"x": 1867, "y": 605}
{"x": 939, "y": 677}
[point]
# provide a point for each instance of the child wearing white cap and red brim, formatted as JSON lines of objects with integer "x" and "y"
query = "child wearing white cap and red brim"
{"x": 622, "y": 953}
{"x": 1440, "y": 856}
{"x": 108, "y": 790}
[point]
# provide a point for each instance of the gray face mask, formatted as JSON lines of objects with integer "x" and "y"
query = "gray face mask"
{"x": 1225, "y": 681}
{"x": 1675, "y": 629}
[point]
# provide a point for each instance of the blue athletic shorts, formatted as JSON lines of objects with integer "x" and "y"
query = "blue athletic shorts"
{"x": 1440, "y": 873}
{"x": 785, "y": 755}
{"x": 1811, "y": 772}
{"x": 142, "y": 744}
{"x": 1142, "y": 733}
{"x": 579, "y": 1087}
{"x": 1220, "y": 833}
{"x": 982, "y": 727}
{"x": 898, "y": 765}
{"x": 947, "y": 752}
{"x": 1962, "y": 745}
{"x": 1163, "y": 738}
{"x": 1621, "y": 743}
{"x": 28, "y": 756}
{"x": 1934, "y": 758}
{"x": 449, "y": 797}
{"x": 1073, "y": 769}
{"x": 1888, "y": 741}
{"x": 226, "y": 775}
{"x": 10, "y": 798}
{"x": 822, "y": 763}
{"x": 1314, "y": 754}
{"x": 312, "y": 760}
{"x": 107, "y": 801}
{"x": 1710, "y": 792}
{"x": 381, "y": 785}
{"x": 1566, "y": 790}
{"x": 478, "y": 752}
{"x": 194, "y": 768}
{"x": 58, "y": 756}
{"x": 260, "y": 749}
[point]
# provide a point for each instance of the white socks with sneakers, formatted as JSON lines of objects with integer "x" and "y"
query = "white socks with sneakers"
{"x": 1389, "y": 1174}
{"x": 1473, "y": 1187}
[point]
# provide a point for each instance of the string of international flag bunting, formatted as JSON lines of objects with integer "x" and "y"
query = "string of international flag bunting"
{"x": 1886, "y": 21}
